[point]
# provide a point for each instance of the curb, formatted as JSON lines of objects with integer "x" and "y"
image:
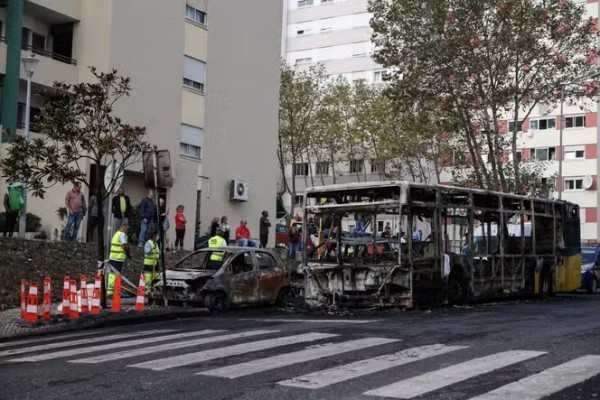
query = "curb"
{"x": 91, "y": 322}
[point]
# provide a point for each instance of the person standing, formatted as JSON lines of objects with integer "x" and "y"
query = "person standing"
{"x": 225, "y": 228}
{"x": 147, "y": 217}
{"x": 216, "y": 257}
{"x": 75, "y": 203}
{"x": 119, "y": 252}
{"x": 93, "y": 219}
{"x": 13, "y": 206}
{"x": 294, "y": 241}
{"x": 151, "y": 256}
{"x": 214, "y": 225}
{"x": 265, "y": 224}
{"x": 179, "y": 227}
{"x": 121, "y": 208}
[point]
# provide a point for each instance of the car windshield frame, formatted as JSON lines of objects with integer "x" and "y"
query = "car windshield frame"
{"x": 204, "y": 264}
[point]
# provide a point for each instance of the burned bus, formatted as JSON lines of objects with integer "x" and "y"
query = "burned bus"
{"x": 441, "y": 244}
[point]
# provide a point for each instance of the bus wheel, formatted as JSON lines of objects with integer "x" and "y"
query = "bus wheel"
{"x": 456, "y": 292}
{"x": 545, "y": 282}
{"x": 591, "y": 285}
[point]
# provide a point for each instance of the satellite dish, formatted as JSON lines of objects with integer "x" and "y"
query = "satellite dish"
{"x": 588, "y": 181}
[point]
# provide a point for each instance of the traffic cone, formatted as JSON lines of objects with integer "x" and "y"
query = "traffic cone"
{"x": 97, "y": 294}
{"x": 141, "y": 294}
{"x": 66, "y": 303}
{"x": 46, "y": 307}
{"x": 84, "y": 294}
{"x": 116, "y": 301}
{"x": 74, "y": 303}
{"x": 23, "y": 298}
{"x": 31, "y": 313}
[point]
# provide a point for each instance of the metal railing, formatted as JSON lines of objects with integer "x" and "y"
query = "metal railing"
{"x": 49, "y": 54}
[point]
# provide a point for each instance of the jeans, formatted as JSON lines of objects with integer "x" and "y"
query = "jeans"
{"x": 145, "y": 228}
{"x": 72, "y": 227}
{"x": 294, "y": 247}
{"x": 11, "y": 222}
{"x": 118, "y": 221}
{"x": 243, "y": 242}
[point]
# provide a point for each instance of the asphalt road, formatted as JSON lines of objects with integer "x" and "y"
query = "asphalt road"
{"x": 509, "y": 351}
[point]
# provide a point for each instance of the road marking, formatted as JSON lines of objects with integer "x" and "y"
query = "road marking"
{"x": 59, "y": 345}
{"x": 283, "y": 360}
{"x": 313, "y": 321}
{"x": 168, "y": 346}
{"x": 110, "y": 346}
{"x": 435, "y": 380}
{"x": 47, "y": 338}
{"x": 201, "y": 356}
{"x": 547, "y": 382}
{"x": 356, "y": 369}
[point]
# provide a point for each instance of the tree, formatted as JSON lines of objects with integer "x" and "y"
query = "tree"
{"x": 480, "y": 62}
{"x": 77, "y": 126}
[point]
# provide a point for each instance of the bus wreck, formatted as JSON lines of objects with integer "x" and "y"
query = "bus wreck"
{"x": 440, "y": 244}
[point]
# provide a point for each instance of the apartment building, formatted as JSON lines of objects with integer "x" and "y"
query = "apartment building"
{"x": 176, "y": 53}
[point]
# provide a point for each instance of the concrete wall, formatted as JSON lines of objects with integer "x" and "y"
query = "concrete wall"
{"x": 242, "y": 108}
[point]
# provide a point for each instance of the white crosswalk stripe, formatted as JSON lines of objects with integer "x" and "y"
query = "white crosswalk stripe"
{"x": 321, "y": 379}
{"x": 59, "y": 345}
{"x": 109, "y": 346}
{"x": 547, "y": 382}
{"x": 47, "y": 339}
{"x": 213, "y": 354}
{"x": 283, "y": 360}
{"x": 431, "y": 381}
{"x": 168, "y": 346}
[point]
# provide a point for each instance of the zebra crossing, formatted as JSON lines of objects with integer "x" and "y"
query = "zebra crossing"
{"x": 222, "y": 346}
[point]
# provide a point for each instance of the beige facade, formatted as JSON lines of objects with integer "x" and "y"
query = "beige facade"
{"x": 164, "y": 46}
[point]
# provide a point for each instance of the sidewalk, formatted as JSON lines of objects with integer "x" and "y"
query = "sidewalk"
{"x": 12, "y": 326}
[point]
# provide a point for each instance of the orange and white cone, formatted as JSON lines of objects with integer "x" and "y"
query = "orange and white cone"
{"x": 66, "y": 303}
{"x": 23, "y": 296}
{"x": 141, "y": 294}
{"x": 116, "y": 301}
{"x": 84, "y": 295}
{"x": 74, "y": 310}
{"x": 31, "y": 313}
{"x": 97, "y": 294}
{"x": 47, "y": 304}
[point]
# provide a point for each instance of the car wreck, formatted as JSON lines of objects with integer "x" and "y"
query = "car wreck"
{"x": 219, "y": 278}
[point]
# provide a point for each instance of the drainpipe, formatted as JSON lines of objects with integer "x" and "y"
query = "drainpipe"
{"x": 10, "y": 83}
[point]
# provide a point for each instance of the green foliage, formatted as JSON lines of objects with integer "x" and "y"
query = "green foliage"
{"x": 465, "y": 65}
{"x": 33, "y": 222}
{"x": 62, "y": 213}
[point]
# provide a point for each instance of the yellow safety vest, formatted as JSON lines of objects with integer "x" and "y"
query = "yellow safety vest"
{"x": 117, "y": 253}
{"x": 217, "y": 241}
{"x": 152, "y": 257}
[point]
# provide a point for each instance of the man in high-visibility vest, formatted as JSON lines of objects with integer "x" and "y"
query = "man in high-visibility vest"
{"x": 119, "y": 251}
{"x": 216, "y": 257}
{"x": 151, "y": 256}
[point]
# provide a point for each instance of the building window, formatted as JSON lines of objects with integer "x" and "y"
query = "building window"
{"x": 359, "y": 81}
{"x": 301, "y": 169}
{"x": 573, "y": 183}
{"x": 519, "y": 155}
{"x": 378, "y": 76}
{"x": 190, "y": 150}
{"x": 195, "y": 15}
{"x": 194, "y": 73}
{"x": 322, "y": 168}
{"x": 541, "y": 124}
{"x": 379, "y": 226}
{"x": 191, "y": 141}
{"x": 356, "y": 166}
{"x": 300, "y": 61}
{"x": 574, "y": 153}
{"x": 377, "y": 166}
{"x": 511, "y": 126}
{"x": 326, "y": 1}
{"x": 575, "y": 121}
{"x": 305, "y": 3}
{"x": 299, "y": 200}
{"x": 543, "y": 154}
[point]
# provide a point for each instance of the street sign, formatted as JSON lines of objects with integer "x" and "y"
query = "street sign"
{"x": 110, "y": 173}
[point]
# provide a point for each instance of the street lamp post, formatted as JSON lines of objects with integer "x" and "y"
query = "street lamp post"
{"x": 29, "y": 64}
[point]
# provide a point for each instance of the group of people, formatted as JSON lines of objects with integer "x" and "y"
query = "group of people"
{"x": 220, "y": 233}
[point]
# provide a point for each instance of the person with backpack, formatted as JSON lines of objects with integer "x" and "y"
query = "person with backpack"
{"x": 13, "y": 206}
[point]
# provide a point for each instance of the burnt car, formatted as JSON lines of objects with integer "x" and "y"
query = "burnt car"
{"x": 218, "y": 278}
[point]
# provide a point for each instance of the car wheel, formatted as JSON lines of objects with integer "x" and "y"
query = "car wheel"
{"x": 592, "y": 285}
{"x": 216, "y": 302}
{"x": 285, "y": 296}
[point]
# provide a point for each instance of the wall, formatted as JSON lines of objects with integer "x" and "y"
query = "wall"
{"x": 244, "y": 44}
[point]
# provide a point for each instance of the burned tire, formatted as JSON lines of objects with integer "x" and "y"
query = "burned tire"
{"x": 286, "y": 296}
{"x": 546, "y": 283}
{"x": 216, "y": 302}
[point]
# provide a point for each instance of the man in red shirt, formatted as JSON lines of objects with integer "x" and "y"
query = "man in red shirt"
{"x": 242, "y": 236}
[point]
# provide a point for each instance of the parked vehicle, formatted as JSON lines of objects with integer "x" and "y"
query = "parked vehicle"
{"x": 590, "y": 273}
{"x": 240, "y": 276}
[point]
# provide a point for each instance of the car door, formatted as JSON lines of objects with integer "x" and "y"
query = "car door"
{"x": 244, "y": 279}
{"x": 270, "y": 276}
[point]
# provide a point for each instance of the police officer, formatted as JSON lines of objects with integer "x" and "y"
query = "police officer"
{"x": 151, "y": 255}
{"x": 216, "y": 257}
{"x": 119, "y": 252}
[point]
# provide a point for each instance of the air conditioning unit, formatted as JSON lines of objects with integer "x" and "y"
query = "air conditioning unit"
{"x": 238, "y": 190}
{"x": 588, "y": 181}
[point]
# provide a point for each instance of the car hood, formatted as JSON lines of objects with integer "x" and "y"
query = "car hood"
{"x": 188, "y": 274}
